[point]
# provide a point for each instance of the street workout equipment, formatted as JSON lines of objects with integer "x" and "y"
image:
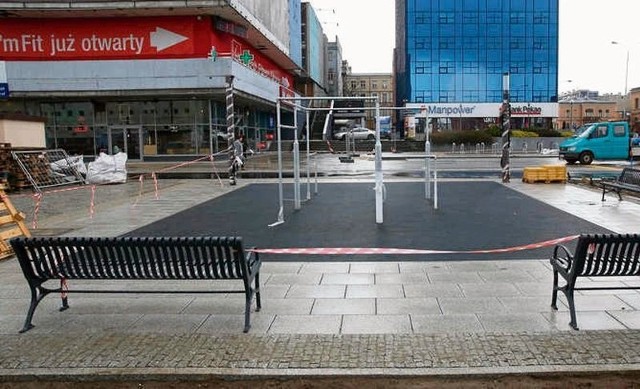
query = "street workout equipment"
{"x": 295, "y": 103}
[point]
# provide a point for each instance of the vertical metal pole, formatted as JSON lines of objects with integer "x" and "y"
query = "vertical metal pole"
{"x": 435, "y": 183}
{"x": 230, "y": 126}
{"x": 280, "y": 192}
{"x": 427, "y": 166}
{"x": 506, "y": 129}
{"x": 379, "y": 184}
{"x": 308, "y": 157}
{"x": 296, "y": 160}
{"x": 626, "y": 79}
{"x": 315, "y": 166}
{"x": 212, "y": 137}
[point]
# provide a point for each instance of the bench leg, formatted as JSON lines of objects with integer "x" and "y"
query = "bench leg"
{"x": 572, "y": 309}
{"x": 258, "y": 303}
{"x": 554, "y": 294}
{"x": 64, "y": 288}
{"x": 37, "y": 295}
{"x": 603, "y": 192}
{"x": 247, "y": 311}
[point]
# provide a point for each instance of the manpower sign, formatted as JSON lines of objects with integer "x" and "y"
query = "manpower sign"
{"x": 458, "y": 110}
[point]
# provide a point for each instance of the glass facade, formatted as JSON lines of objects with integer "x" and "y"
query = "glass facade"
{"x": 456, "y": 51}
{"x": 143, "y": 128}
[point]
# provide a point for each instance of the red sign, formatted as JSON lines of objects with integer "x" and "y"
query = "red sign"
{"x": 101, "y": 38}
{"x": 228, "y": 45}
{"x": 128, "y": 38}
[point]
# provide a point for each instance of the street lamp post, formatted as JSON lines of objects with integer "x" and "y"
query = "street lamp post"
{"x": 626, "y": 80}
{"x": 626, "y": 72}
{"x": 571, "y": 114}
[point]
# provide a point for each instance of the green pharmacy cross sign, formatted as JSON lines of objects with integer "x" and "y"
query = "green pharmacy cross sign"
{"x": 246, "y": 57}
{"x": 213, "y": 54}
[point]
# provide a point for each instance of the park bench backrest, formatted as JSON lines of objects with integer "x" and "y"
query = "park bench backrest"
{"x": 607, "y": 255}
{"x": 630, "y": 176}
{"x": 175, "y": 258}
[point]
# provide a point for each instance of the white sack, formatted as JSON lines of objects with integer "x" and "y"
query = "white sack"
{"x": 108, "y": 169}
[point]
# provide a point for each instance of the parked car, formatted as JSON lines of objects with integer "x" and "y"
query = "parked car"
{"x": 357, "y": 133}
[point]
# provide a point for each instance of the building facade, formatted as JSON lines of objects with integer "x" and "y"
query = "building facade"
{"x": 451, "y": 56}
{"x": 378, "y": 85}
{"x": 634, "y": 109}
{"x": 151, "y": 78}
{"x": 575, "y": 113}
{"x": 335, "y": 81}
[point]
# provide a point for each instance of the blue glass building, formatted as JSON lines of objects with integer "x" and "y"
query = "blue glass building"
{"x": 455, "y": 52}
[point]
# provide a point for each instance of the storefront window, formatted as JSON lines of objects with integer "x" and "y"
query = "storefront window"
{"x": 145, "y": 128}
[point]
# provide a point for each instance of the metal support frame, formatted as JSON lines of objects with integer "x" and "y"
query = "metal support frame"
{"x": 295, "y": 104}
{"x": 379, "y": 188}
{"x": 430, "y": 159}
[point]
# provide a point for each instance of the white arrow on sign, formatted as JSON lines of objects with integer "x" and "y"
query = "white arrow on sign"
{"x": 162, "y": 39}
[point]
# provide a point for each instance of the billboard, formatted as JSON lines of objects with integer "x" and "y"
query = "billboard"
{"x": 130, "y": 38}
{"x": 476, "y": 110}
{"x": 103, "y": 38}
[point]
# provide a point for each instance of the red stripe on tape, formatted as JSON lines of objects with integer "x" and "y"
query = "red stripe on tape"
{"x": 379, "y": 250}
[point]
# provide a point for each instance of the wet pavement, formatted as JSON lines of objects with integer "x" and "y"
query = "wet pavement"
{"x": 442, "y": 322}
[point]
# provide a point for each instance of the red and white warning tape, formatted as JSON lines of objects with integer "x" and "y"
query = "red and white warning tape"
{"x": 361, "y": 250}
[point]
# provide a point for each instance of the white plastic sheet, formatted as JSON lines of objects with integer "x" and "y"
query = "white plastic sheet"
{"x": 74, "y": 161}
{"x": 108, "y": 169}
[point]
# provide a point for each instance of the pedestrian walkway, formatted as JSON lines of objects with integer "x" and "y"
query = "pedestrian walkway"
{"x": 360, "y": 319}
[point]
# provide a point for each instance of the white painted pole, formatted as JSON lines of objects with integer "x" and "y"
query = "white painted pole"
{"x": 280, "y": 190}
{"x": 379, "y": 189}
{"x": 435, "y": 183}
{"x": 427, "y": 166}
{"x": 308, "y": 158}
{"x": 296, "y": 162}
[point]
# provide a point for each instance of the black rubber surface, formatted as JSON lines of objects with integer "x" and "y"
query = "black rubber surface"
{"x": 472, "y": 215}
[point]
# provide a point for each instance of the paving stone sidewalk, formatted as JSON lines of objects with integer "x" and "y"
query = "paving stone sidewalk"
{"x": 465, "y": 353}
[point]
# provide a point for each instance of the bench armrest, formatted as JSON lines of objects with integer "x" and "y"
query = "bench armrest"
{"x": 562, "y": 259}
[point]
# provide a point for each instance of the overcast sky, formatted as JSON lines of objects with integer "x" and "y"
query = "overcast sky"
{"x": 366, "y": 30}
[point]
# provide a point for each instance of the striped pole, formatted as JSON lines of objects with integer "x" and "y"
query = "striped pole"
{"x": 505, "y": 116}
{"x": 230, "y": 127}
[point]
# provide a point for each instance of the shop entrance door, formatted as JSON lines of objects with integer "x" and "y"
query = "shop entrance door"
{"x": 127, "y": 139}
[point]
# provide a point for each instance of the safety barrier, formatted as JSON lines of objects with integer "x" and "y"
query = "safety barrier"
{"x": 398, "y": 251}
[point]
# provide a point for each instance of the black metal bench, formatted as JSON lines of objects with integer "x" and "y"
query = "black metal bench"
{"x": 595, "y": 256}
{"x": 628, "y": 180}
{"x": 135, "y": 258}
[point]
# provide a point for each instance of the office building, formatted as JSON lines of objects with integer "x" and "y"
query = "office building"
{"x": 451, "y": 56}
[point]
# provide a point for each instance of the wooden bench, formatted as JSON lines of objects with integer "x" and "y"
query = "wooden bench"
{"x": 595, "y": 256}
{"x": 136, "y": 258}
{"x": 628, "y": 180}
